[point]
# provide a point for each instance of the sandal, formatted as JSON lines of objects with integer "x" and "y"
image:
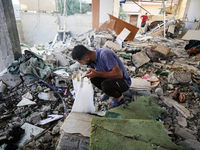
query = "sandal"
{"x": 115, "y": 103}
{"x": 103, "y": 97}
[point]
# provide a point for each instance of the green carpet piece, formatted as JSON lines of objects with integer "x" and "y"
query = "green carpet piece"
{"x": 144, "y": 108}
{"x": 129, "y": 134}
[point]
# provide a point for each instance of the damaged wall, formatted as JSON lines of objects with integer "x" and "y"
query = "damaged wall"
{"x": 42, "y": 27}
{"x": 193, "y": 12}
{"x": 9, "y": 40}
{"x": 106, "y": 7}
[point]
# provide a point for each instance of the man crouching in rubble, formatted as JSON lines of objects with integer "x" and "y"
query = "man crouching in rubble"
{"x": 106, "y": 72}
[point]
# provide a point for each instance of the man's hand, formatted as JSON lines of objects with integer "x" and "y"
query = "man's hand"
{"x": 115, "y": 73}
{"x": 91, "y": 73}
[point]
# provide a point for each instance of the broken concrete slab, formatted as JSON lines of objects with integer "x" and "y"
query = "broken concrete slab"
{"x": 163, "y": 49}
{"x": 30, "y": 130}
{"x": 3, "y": 87}
{"x": 73, "y": 142}
{"x": 185, "y": 112}
{"x": 10, "y": 80}
{"x": 62, "y": 73}
{"x": 28, "y": 95}
{"x": 191, "y": 144}
{"x": 77, "y": 123}
{"x": 140, "y": 84}
{"x": 25, "y": 102}
{"x": 181, "y": 121}
{"x": 47, "y": 96}
{"x": 179, "y": 77}
{"x": 192, "y": 35}
{"x": 170, "y": 102}
{"x": 112, "y": 45}
{"x": 182, "y": 132}
{"x": 140, "y": 59}
{"x": 62, "y": 59}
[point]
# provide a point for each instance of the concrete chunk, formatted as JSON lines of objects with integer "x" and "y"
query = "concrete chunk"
{"x": 181, "y": 109}
{"x": 62, "y": 59}
{"x": 112, "y": 45}
{"x": 47, "y": 96}
{"x": 181, "y": 121}
{"x": 25, "y": 102}
{"x": 140, "y": 59}
{"x": 186, "y": 113}
{"x": 10, "y": 80}
{"x": 191, "y": 144}
{"x": 184, "y": 134}
{"x": 28, "y": 96}
{"x": 77, "y": 123}
{"x": 29, "y": 131}
{"x": 162, "y": 49}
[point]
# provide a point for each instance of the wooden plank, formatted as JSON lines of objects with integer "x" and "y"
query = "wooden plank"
{"x": 120, "y": 25}
{"x": 95, "y": 13}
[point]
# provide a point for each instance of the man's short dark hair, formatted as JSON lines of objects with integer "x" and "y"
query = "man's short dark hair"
{"x": 79, "y": 52}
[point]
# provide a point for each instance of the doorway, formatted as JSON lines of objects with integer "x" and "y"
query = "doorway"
{"x": 133, "y": 19}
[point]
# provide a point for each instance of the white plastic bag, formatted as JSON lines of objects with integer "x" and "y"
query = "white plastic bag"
{"x": 84, "y": 96}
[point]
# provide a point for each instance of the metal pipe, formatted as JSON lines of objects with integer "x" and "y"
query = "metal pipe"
{"x": 141, "y": 7}
{"x": 65, "y": 14}
{"x": 164, "y": 17}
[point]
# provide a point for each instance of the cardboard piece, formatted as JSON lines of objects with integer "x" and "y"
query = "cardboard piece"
{"x": 120, "y": 25}
{"x": 122, "y": 36}
{"x": 192, "y": 35}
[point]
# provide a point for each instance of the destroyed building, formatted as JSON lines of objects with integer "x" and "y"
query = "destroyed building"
{"x": 47, "y": 103}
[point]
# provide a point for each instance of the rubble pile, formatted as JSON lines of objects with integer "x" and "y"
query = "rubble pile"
{"x": 39, "y": 99}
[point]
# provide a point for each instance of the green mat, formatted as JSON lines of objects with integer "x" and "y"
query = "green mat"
{"x": 129, "y": 134}
{"x": 144, "y": 108}
{"x": 131, "y": 127}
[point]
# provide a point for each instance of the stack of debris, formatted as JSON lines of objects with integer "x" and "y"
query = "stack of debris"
{"x": 37, "y": 92}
